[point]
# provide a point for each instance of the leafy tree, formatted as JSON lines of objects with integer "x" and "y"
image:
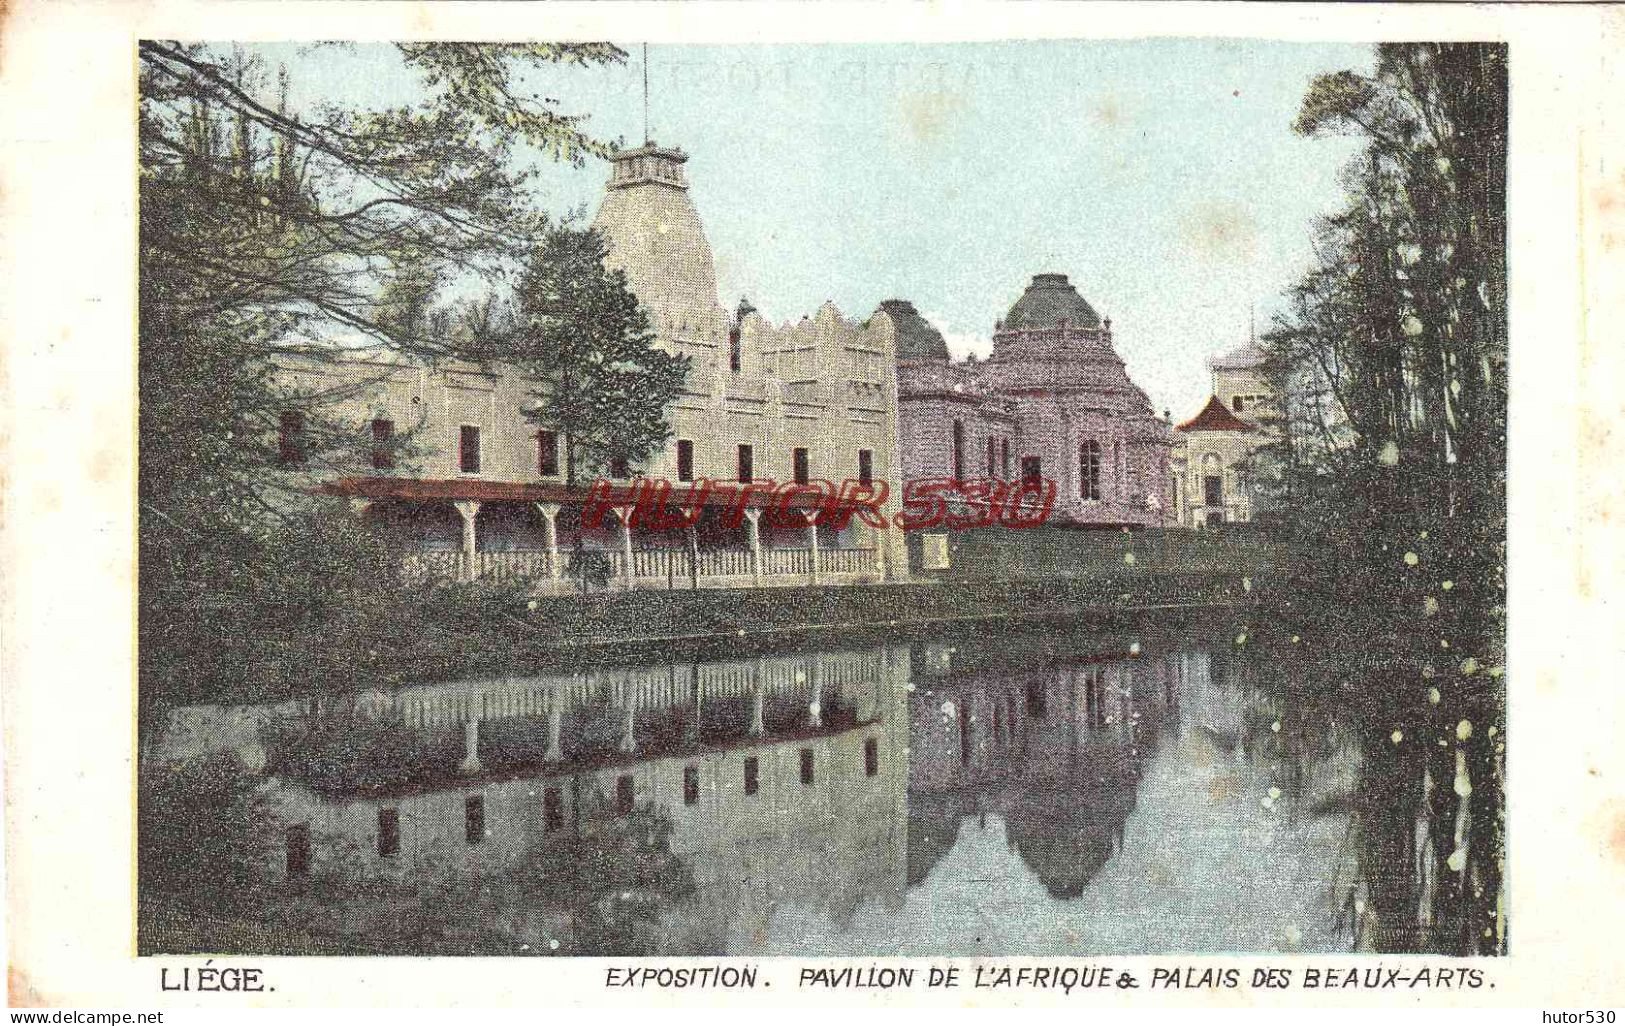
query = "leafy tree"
{"x": 200, "y": 842}
{"x": 1392, "y": 358}
{"x": 600, "y": 378}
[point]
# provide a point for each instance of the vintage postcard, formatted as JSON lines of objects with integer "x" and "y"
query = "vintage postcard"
{"x": 883, "y": 505}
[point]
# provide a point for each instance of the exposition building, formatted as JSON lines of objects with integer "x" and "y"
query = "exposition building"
{"x": 1053, "y": 401}
{"x": 1213, "y": 450}
{"x": 485, "y": 495}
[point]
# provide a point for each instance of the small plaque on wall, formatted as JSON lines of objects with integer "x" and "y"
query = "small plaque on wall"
{"x": 934, "y": 552}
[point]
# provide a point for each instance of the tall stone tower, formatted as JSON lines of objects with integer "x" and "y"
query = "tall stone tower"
{"x": 655, "y": 235}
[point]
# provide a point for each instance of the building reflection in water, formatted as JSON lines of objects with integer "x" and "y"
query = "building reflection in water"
{"x": 1054, "y": 750}
{"x": 782, "y": 778}
{"x": 796, "y": 789}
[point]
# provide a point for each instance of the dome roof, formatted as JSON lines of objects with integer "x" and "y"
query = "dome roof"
{"x": 1048, "y": 301}
{"x": 916, "y": 338}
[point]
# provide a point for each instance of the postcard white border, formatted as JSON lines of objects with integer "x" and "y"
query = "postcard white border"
{"x": 67, "y": 289}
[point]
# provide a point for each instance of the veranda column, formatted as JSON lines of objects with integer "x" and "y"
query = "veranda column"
{"x": 550, "y": 513}
{"x": 753, "y": 534}
{"x": 469, "y": 510}
{"x": 624, "y": 515}
{"x": 812, "y": 543}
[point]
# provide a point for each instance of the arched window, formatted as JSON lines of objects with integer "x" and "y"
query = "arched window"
{"x": 1089, "y": 469}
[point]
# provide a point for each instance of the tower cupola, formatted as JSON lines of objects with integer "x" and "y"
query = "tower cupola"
{"x": 654, "y": 234}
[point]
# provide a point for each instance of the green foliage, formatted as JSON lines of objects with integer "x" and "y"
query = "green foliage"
{"x": 197, "y": 830}
{"x": 589, "y": 568}
{"x": 1391, "y": 363}
{"x": 1392, "y": 360}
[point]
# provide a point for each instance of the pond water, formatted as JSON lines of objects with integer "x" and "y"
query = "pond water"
{"x": 983, "y": 791}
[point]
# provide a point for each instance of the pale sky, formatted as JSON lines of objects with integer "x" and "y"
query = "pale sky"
{"x": 1162, "y": 175}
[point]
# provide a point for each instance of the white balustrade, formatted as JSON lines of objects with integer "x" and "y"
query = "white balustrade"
{"x": 647, "y": 564}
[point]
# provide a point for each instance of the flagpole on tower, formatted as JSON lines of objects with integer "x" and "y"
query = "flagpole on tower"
{"x": 645, "y": 94}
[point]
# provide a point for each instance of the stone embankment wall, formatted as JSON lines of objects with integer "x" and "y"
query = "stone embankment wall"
{"x": 1074, "y": 554}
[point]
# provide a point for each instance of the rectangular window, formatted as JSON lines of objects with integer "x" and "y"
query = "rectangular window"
{"x": 733, "y": 350}
{"x": 751, "y": 777}
{"x": 474, "y": 820}
{"x": 547, "y": 453}
{"x": 290, "y": 439}
{"x": 746, "y": 458}
{"x": 623, "y": 795}
{"x": 468, "y": 449}
{"x": 806, "y": 766}
{"x": 871, "y": 757}
{"x": 1004, "y": 458}
{"x": 685, "y": 460}
{"x": 866, "y": 467}
{"x": 1032, "y": 470}
{"x": 800, "y": 469}
{"x": 992, "y": 456}
{"x": 619, "y": 467}
{"x": 1037, "y": 700}
{"x": 298, "y": 851}
{"x": 552, "y": 810}
{"x": 389, "y": 832}
{"x": 691, "y": 785}
{"x": 1212, "y": 490}
{"x": 959, "y": 450}
{"x": 383, "y": 456}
